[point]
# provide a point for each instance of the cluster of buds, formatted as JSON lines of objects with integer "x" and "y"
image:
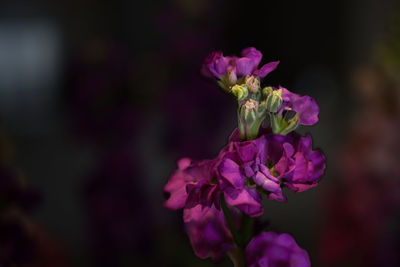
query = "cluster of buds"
{"x": 278, "y": 106}
{"x": 241, "y": 77}
{"x": 256, "y": 105}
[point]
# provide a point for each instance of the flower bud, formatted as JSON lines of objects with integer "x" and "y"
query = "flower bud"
{"x": 231, "y": 76}
{"x": 274, "y": 100}
{"x": 253, "y": 83}
{"x": 249, "y": 110}
{"x": 251, "y": 104}
{"x": 267, "y": 91}
{"x": 240, "y": 91}
{"x": 292, "y": 124}
{"x": 251, "y": 116}
{"x": 227, "y": 80}
{"x": 281, "y": 126}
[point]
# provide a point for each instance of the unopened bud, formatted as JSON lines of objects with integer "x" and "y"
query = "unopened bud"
{"x": 251, "y": 104}
{"x": 281, "y": 126}
{"x": 232, "y": 78}
{"x": 267, "y": 90}
{"x": 253, "y": 83}
{"x": 251, "y": 116}
{"x": 274, "y": 100}
{"x": 226, "y": 81}
{"x": 240, "y": 91}
{"x": 249, "y": 110}
{"x": 292, "y": 124}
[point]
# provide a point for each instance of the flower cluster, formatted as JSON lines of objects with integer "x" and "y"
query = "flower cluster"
{"x": 266, "y": 165}
{"x": 263, "y": 156}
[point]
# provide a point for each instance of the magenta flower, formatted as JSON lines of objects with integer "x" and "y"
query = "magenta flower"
{"x": 309, "y": 164}
{"x": 266, "y": 165}
{"x": 275, "y": 250}
{"x": 216, "y": 65}
{"x": 208, "y": 232}
{"x": 305, "y": 106}
{"x": 191, "y": 185}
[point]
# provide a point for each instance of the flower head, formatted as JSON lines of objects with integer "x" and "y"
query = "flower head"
{"x": 275, "y": 250}
{"x": 266, "y": 164}
{"x": 216, "y": 65}
{"x": 191, "y": 185}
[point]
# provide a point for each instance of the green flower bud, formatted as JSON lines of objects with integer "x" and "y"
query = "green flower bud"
{"x": 251, "y": 115}
{"x": 267, "y": 90}
{"x": 274, "y": 100}
{"x": 253, "y": 83}
{"x": 292, "y": 124}
{"x": 281, "y": 126}
{"x": 251, "y": 104}
{"x": 240, "y": 91}
{"x": 227, "y": 81}
{"x": 249, "y": 110}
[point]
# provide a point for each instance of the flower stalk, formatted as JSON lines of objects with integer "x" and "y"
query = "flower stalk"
{"x": 260, "y": 160}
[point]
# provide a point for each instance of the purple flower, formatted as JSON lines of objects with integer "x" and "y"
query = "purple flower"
{"x": 216, "y": 65}
{"x": 191, "y": 185}
{"x": 309, "y": 165}
{"x": 275, "y": 250}
{"x": 208, "y": 232}
{"x": 305, "y": 106}
{"x": 266, "y": 165}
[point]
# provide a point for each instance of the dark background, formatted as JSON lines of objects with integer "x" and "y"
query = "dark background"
{"x": 99, "y": 99}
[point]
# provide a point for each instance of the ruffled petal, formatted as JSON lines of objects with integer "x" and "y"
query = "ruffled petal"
{"x": 247, "y": 201}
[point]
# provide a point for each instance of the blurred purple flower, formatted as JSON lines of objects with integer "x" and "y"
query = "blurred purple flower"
{"x": 305, "y": 106}
{"x": 267, "y": 163}
{"x": 208, "y": 232}
{"x": 216, "y": 65}
{"x": 275, "y": 250}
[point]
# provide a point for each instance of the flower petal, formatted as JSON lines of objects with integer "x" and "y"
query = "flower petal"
{"x": 266, "y": 69}
{"x": 230, "y": 172}
{"x": 248, "y": 201}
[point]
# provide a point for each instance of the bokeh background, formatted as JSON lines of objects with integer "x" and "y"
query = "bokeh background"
{"x": 98, "y": 99}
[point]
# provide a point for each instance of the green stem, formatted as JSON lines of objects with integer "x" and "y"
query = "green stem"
{"x": 249, "y": 131}
{"x": 252, "y": 132}
{"x": 241, "y": 238}
{"x": 237, "y": 257}
{"x": 241, "y": 125}
{"x": 229, "y": 221}
{"x": 246, "y": 230}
